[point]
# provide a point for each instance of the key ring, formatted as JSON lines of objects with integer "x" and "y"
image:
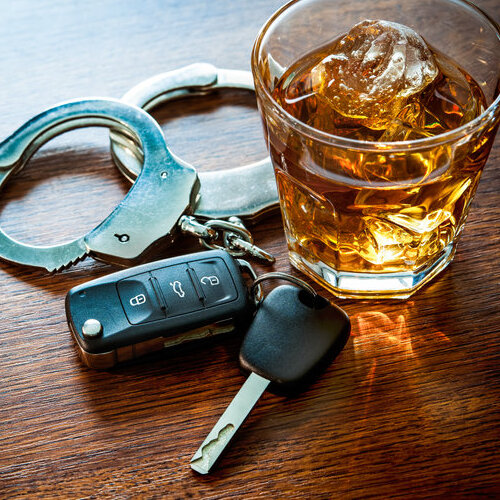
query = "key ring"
{"x": 237, "y": 239}
{"x": 223, "y": 193}
{"x": 258, "y": 294}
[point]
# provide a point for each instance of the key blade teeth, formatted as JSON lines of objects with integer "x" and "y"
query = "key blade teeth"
{"x": 206, "y": 456}
{"x": 227, "y": 425}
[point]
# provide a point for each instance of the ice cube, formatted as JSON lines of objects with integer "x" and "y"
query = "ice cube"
{"x": 414, "y": 121}
{"x": 460, "y": 102}
{"x": 370, "y": 72}
{"x": 383, "y": 242}
{"x": 398, "y": 131}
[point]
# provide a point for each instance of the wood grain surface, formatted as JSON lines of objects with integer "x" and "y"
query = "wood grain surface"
{"x": 410, "y": 409}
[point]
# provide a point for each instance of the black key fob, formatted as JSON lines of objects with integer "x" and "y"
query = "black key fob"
{"x": 293, "y": 338}
{"x": 154, "y": 306}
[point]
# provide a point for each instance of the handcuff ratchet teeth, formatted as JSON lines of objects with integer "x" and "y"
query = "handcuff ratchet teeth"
{"x": 147, "y": 215}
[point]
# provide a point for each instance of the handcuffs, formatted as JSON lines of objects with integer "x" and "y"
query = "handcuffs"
{"x": 167, "y": 196}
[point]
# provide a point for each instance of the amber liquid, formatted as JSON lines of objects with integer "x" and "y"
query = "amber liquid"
{"x": 376, "y": 212}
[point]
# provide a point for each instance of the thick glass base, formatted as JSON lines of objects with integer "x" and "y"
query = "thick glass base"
{"x": 399, "y": 285}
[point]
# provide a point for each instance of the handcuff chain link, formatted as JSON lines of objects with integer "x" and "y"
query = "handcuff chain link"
{"x": 236, "y": 239}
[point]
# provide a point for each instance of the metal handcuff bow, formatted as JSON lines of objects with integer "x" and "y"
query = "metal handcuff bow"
{"x": 168, "y": 194}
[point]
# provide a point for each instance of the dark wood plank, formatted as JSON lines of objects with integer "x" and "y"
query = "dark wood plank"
{"x": 409, "y": 409}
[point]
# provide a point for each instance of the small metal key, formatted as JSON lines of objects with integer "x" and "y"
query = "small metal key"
{"x": 293, "y": 337}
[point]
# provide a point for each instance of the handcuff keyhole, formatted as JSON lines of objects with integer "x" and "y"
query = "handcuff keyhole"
{"x": 122, "y": 238}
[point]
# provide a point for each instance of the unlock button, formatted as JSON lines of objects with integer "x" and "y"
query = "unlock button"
{"x": 215, "y": 280}
{"x": 139, "y": 300}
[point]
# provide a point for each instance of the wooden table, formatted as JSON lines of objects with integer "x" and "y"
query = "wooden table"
{"x": 409, "y": 409}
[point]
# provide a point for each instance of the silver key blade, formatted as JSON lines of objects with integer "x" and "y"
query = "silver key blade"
{"x": 229, "y": 423}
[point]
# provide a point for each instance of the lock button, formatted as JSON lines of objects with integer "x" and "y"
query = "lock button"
{"x": 139, "y": 299}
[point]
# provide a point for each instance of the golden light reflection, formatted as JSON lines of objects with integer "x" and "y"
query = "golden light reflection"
{"x": 370, "y": 377}
{"x": 377, "y": 331}
{"x": 389, "y": 371}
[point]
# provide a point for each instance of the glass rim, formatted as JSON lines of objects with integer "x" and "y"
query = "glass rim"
{"x": 449, "y": 136}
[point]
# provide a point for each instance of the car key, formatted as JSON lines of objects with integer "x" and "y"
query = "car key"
{"x": 157, "y": 305}
{"x": 293, "y": 336}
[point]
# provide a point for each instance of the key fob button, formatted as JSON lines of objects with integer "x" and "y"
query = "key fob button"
{"x": 215, "y": 281}
{"x": 178, "y": 290}
{"x": 139, "y": 299}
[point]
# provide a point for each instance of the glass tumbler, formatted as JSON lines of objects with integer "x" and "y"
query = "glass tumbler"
{"x": 375, "y": 219}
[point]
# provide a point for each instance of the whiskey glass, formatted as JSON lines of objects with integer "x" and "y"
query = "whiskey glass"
{"x": 376, "y": 219}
